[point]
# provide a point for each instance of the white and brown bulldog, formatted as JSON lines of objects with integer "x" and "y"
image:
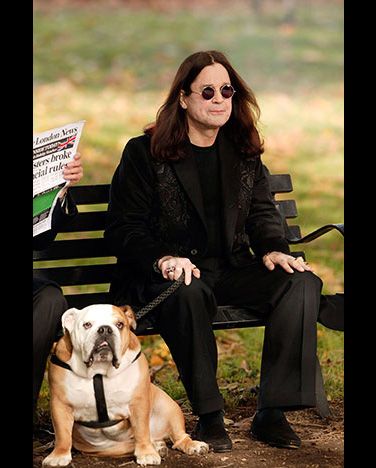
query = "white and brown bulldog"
{"x": 102, "y": 400}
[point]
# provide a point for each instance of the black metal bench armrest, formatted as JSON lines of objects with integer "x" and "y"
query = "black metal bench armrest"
{"x": 318, "y": 233}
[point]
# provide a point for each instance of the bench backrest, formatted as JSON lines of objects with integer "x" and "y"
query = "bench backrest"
{"x": 79, "y": 258}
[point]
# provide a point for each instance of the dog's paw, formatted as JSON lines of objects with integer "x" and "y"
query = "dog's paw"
{"x": 161, "y": 447}
{"x": 149, "y": 459}
{"x": 191, "y": 447}
{"x": 197, "y": 447}
{"x": 57, "y": 460}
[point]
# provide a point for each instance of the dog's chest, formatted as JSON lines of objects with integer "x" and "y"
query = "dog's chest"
{"x": 118, "y": 391}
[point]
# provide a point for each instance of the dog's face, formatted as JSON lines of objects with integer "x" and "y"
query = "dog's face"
{"x": 100, "y": 332}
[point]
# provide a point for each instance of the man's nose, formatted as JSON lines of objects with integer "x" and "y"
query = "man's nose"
{"x": 217, "y": 96}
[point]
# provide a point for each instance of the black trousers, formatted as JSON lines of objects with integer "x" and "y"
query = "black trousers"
{"x": 290, "y": 304}
{"x": 49, "y": 305}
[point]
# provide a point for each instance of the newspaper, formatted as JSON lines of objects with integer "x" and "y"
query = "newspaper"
{"x": 52, "y": 150}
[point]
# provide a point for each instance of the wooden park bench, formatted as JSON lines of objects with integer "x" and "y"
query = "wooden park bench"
{"x": 79, "y": 258}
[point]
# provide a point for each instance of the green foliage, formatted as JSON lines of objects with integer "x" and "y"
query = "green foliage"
{"x": 97, "y": 47}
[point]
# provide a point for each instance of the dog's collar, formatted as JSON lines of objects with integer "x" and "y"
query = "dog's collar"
{"x": 55, "y": 360}
{"x": 100, "y": 400}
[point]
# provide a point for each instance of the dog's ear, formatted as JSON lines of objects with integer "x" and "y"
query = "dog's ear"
{"x": 129, "y": 315}
{"x": 68, "y": 318}
{"x": 64, "y": 347}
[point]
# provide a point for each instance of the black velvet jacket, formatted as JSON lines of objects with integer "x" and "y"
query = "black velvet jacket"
{"x": 156, "y": 209}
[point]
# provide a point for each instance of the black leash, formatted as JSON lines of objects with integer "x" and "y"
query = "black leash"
{"x": 164, "y": 295}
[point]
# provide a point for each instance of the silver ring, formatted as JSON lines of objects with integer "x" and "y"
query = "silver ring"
{"x": 170, "y": 269}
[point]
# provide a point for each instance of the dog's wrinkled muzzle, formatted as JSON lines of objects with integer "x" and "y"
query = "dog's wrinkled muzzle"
{"x": 104, "y": 347}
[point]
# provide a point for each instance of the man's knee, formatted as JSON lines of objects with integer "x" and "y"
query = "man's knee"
{"x": 300, "y": 299}
{"x": 306, "y": 280}
{"x": 196, "y": 291}
{"x": 50, "y": 302}
{"x": 195, "y": 300}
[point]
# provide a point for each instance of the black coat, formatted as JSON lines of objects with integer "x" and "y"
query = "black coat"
{"x": 45, "y": 239}
{"x": 156, "y": 209}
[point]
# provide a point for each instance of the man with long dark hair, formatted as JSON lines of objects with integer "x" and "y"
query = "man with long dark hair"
{"x": 191, "y": 195}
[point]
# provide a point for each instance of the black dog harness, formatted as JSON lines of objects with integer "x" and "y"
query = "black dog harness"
{"x": 100, "y": 400}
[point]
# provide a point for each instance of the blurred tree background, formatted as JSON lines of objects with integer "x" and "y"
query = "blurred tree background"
{"x": 111, "y": 63}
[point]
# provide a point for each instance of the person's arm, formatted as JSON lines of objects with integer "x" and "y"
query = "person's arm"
{"x": 265, "y": 229}
{"x": 128, "y": 228}
{"x": 60, "y": 216}
{"x": 65, "y": 207}
{"x": 264, "y": 223}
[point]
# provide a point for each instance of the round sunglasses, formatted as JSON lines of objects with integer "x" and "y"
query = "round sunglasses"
{"x": 227, "y": 91}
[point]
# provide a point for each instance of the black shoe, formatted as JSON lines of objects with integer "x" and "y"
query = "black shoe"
{"x": 271, "y": 426}
{"x": 215, "y": 435}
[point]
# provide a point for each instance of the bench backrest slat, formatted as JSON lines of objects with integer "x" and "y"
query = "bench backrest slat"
{"x": 87, "y": 221}
{"x": 287, "y": 208}
{"x": 280, "y": 183}
{"x": 96, "y": 194}
{"x": 90, "y": 194}
{"x": 78, "y": 275}
{"x": 70, "y": 259}
{"x": 293, "y": 231}
{"x": 74, "y": 248}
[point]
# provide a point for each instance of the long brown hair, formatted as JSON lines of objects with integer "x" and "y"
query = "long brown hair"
{"x": 169, "y": 134}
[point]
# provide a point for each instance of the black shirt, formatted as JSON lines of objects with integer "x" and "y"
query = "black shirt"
{"x": 208, "y": 168}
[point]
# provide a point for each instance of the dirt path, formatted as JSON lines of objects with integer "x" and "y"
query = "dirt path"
{"x": 322, "y": 446}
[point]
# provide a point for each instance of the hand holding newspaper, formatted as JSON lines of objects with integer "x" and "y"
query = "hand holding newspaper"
{"x": 52, "y": 150}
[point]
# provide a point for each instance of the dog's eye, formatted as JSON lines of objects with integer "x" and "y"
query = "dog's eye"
{"x": 120, "y": 325}
{"x": 87, "y": 325}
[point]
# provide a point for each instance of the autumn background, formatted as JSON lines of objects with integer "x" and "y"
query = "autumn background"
{"x": 111, "y": 63}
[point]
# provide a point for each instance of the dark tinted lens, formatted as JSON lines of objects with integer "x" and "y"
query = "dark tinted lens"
{"x": 227, "y": 91}
{"x": 207, "y": 93}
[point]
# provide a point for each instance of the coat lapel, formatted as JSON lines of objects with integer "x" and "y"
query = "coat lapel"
{"x": 186, "y": 172}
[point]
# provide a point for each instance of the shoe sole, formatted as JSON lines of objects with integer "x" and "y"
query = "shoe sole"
{"x": 221, "y": 450}
{"x": 216, "y": 450}
{"x": 275, "y": 444}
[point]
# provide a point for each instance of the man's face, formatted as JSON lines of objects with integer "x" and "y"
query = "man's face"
{"x": 209, "y": 114}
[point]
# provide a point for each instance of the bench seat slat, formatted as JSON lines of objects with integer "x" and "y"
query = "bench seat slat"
{"x": 77, "y": 275}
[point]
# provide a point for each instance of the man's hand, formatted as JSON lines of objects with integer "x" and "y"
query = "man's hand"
{"x": 287, "y": 262}
{"x": 172, "y": 267}
{"x": 73, "y": 171}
